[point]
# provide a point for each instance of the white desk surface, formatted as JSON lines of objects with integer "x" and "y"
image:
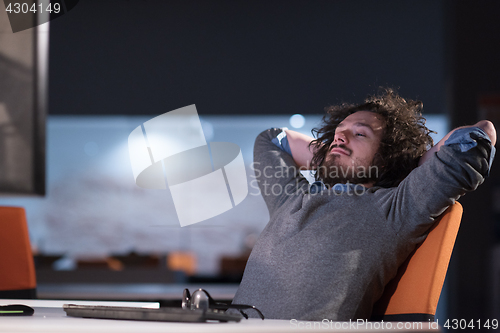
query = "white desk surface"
{"x": 55, "y": 320}
{"x": 47, "y": 303}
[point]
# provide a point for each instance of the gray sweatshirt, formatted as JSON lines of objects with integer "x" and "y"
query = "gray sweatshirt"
{"x": 329, "y": 255}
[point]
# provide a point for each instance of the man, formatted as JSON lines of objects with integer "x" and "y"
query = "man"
{"x": 330, "y": 248}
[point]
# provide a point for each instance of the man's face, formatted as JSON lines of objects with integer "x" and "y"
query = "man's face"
{"x": 357, "y": 140}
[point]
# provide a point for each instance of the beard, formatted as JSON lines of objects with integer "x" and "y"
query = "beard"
{"x": 332, "y": 171}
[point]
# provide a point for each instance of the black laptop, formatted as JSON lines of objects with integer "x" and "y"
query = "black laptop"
{"x": 148, "y": 314}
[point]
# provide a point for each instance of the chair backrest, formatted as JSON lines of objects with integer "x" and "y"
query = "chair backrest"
{"x": 17, "y": 269}
{"x": 414, "y": 293}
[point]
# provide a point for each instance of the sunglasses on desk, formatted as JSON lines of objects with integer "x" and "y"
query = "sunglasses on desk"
{"x": 201, "y": 299}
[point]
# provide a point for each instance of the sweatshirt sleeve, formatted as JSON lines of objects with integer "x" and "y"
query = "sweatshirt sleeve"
{"x": 459, "y": 166}
{"x": 275, "y": 170}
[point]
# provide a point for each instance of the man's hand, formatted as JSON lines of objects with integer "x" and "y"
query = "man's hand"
{"x": 486, "y": 125}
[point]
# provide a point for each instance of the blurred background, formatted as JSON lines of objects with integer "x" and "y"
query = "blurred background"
{"x": 67, "y": 108}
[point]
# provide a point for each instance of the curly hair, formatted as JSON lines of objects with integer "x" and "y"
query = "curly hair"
{"x": 404, "y": 141}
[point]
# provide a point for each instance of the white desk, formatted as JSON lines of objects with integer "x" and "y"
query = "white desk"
{"x": 47, "y": 303}
{"x": 55, "y": 320}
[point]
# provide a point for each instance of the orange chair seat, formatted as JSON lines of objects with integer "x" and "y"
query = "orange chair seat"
{"x": 17, "y": 277}
{"x": 414, "y": 293}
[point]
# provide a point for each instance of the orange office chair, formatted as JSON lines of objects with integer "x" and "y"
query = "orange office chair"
{"x": 414, "y": 293}
{"x": 17, "y": 269}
